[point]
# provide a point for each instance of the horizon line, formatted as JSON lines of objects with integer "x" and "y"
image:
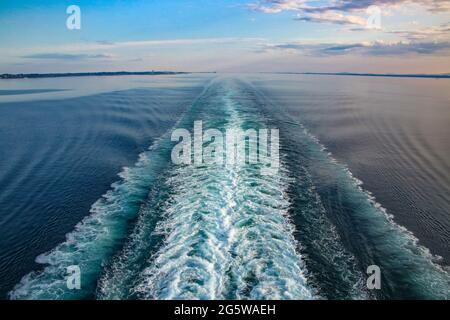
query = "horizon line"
{"x": 155, "y": 72}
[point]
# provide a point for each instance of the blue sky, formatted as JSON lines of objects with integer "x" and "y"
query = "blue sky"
{"x": 240, "y": 35}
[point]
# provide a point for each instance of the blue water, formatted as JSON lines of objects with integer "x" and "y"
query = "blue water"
{"x": 163, "y": 231}
{"x": 60, "y": 156}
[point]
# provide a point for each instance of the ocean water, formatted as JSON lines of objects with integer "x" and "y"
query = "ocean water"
{"x": 86, "y": 179}
{"x": 393, "y": 134}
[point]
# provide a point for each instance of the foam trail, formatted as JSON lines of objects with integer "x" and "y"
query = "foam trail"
{"x": 332, "y": 269}
{"x": 227, "y": 231}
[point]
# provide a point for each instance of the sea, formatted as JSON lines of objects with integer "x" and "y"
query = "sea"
{"x": 87, "y": 179}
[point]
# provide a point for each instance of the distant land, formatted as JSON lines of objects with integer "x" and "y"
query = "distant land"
{"x": 394, "y": 75}
{"x": 86, "y": 74}
{"x": 152, "y": 73}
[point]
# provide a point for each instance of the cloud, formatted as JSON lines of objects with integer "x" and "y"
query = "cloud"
{"x": 341, "y": 49}
{"x": 338, "y": 11}
{"x": 359, "y": 5}
{"x": 355, "y": 13}
{"x": 379, "y": 49}
{"x": 67, "y": 56}
{"x": 275, "y": 6}
{"x": 105, "y": 42}
{"x": 367, "y": 49}
{"x": 333, "y": 17}
{"x": 436, "y": 33}
{"x": 143, "y": 44}
{"x": 308, "y": 6}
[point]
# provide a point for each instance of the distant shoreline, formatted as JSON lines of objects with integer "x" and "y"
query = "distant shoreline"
{"x": 153, "y": 73}
{"x": 391, "y": 75}
{"x": 85, "y": 74}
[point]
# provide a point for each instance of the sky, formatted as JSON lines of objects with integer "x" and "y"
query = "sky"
{"x": 376, "y": 36}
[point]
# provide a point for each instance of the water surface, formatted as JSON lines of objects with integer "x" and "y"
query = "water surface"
{"x": 363, "y": 176}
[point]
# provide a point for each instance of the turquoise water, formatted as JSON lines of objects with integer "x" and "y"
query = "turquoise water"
{"x": 165, "y": 231}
